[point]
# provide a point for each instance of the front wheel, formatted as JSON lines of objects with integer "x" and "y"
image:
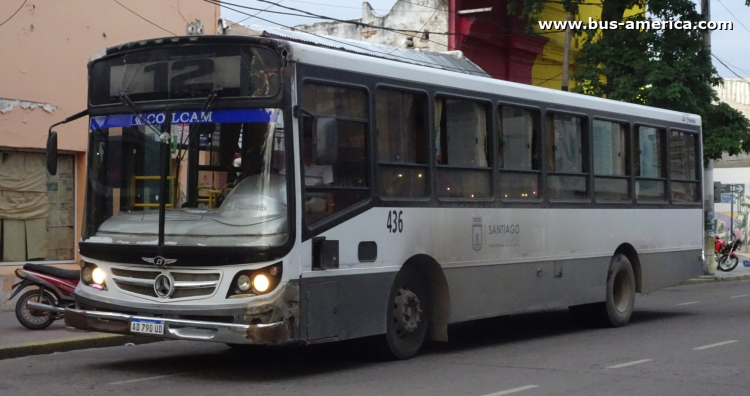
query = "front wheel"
{"x": 33, "y": 319}
{"x": 407, "y": 316}
{"x": 728, "y": 263}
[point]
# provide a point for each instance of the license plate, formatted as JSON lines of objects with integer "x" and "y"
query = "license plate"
{"x": 147, "y": 326}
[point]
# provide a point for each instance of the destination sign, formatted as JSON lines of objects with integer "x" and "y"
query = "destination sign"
{"x": 184, "y": 117}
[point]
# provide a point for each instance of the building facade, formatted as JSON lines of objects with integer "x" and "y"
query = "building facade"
{"x": 482, "y": 29}
{"x": 45, "y": 48}
{"x": 734, "y": 169}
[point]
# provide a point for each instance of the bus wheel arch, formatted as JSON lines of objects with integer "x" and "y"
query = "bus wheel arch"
{"x": 629, "y": 251}
{"x": 440, "y": 309}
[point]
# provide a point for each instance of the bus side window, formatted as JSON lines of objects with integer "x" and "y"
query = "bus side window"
{"x": 402, "y": 142}
{"x": 611, "y": 159}
{"x": 683, "y": 169}
{"x": 650, "y": 170}
{"x": 567, "y": 158}
{"x": 331, "y": 187}
{"x": 519, "y": 153}
{"x": 461, "y": 144}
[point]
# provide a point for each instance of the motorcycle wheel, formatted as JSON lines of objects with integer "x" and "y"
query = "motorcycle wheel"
{"x": 32, "y": 319}
{"x": 731, "y": 263}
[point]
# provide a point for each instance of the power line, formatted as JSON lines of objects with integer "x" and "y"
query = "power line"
{"x": 735, "y": 66}
{"x": 353, "y": 8}
{"x": 370, "y": 50}
{"x": 312, "y": 15}
{"x": 308, "y": 14}
{"x": 549, "y": 79}
{"x": 252, "y": 16}
{"x": 422, "y": 28}
{"x": 735, "y": 18}
{"x": 180, "y": 12}
{"x": 136, "y": 14}
{"x": 14, "y": 14}
{"x": 730, "y": 69}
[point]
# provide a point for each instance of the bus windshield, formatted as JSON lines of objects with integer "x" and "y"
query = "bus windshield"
{"x": 226, "y": 179}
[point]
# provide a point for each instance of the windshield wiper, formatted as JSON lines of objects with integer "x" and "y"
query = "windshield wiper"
{"x": 210, "y": 100}
{"x": 125, "y": 99}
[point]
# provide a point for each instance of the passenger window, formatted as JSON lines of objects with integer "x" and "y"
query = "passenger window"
{"x": 334, "y": 149}
{"x": 461, "y": 149}
{"x": 567, "y": 157}
{"x": 402, "y": 143}
{"x": 519, "y": 153}
{"x": 650, "y": 184}
{"x": 334, "y": 101}
{"x": 683, "y": 168}
{"x": 611, "y": 182}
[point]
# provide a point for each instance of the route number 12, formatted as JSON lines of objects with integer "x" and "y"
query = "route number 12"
{"x": 395, "y": 221}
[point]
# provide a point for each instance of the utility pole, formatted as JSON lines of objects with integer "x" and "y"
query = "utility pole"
{"x": 566, "y": 53}
{"x": 708, "y": 174}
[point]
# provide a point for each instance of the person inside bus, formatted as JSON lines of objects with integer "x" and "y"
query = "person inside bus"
{"x": 319, "y": 204}
{"x": 317, "y": 175}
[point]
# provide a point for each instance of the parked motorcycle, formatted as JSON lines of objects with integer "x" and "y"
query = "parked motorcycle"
{"x": 53, "y": 286}
{"x": 725, "y": 256}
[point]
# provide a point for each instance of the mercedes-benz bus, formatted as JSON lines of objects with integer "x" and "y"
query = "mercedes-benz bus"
{"x": 272, "y": 190}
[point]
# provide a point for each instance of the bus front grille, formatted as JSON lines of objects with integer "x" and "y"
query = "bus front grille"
{"x": 186, "y": 284}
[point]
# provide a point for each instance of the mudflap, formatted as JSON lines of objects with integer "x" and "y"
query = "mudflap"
{"x": 20, "y": 286}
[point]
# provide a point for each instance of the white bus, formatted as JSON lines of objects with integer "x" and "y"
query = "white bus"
{"x": 263, "y": 190}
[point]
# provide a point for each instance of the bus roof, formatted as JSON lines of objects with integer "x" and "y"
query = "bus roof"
{"x": 337, "y": 59}
{"x": 454, "y": 71}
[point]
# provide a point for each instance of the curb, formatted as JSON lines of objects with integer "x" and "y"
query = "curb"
{"x": 70, "y": 344}
{"x": 713, "y": 278}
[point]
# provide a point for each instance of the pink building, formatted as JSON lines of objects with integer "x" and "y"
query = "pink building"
{"x": 45, "y": 47}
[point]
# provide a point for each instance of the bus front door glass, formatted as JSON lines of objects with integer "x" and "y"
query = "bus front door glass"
{"x": 225, "y": 186}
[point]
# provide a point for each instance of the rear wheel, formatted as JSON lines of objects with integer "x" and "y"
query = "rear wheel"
{"x": 33, "y": 319}
{"x": 616, "y": 310}
{"x": 407, "y": 314}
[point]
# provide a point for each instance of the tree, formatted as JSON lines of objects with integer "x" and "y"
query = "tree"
{"x": 665, "y": 68}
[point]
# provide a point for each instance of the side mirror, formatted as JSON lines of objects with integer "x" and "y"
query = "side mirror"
{"x": 52, "y": 153}
{"x": 326, "y": 140}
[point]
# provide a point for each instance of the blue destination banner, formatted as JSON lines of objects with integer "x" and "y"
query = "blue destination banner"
{"x": 185, "y": 117}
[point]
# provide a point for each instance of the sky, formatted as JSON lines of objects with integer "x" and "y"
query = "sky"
{"x": 732, "y": 47}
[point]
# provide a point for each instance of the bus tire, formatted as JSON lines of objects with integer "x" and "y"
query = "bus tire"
{"x": 617, "y": 309}
{"x": 407, "y": 316}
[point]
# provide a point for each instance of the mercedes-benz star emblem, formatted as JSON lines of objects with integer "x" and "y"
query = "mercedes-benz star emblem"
{"x": 164, "y": 285}
{"x": 158, "y": 261}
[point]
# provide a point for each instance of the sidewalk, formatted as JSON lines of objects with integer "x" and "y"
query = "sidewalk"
{"x": 18, "y": 341}
{"x": 739, "y": 273}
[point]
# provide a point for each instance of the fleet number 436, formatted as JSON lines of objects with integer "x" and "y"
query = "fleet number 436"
{"x": 395, "y": 221}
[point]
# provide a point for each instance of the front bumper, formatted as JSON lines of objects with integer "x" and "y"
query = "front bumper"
{"x": 177, "y": 329}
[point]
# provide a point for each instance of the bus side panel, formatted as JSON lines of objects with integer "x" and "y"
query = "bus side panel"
{"x": 660, "y": 270}
{"x": 493, "y": 290}
{"x": 344, "y": 306}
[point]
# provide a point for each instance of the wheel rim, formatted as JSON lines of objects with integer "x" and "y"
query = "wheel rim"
{"x": 723, "y": 263}
{"x": 621, "y": 291}
{"x": 34, "y": 316}
{"x": 407, "y": 312}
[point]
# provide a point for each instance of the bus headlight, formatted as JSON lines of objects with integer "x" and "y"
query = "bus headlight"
{"x": 93, "y": 276}
{"x": 249, "y": 283}
{"x": 243, "y": 282}
{"x": 97, "y": 275}
{"x": 86, "y": 274}
{"x": 261, "y": 283}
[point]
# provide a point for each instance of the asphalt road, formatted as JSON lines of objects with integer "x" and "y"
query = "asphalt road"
{"x": 689, "y": 340}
